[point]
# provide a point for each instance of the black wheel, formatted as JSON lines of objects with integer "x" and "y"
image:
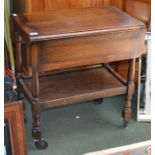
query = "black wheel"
{"x": 98, "y": 101}
{"x": 41, "y": 144}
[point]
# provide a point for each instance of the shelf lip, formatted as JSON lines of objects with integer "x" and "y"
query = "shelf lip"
{"x": 37, "y": 38}
{"x": 83, "y": 97}
{"x": 74, "y": 88}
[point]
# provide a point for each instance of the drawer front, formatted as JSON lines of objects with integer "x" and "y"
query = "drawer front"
{"x": 90, "y": 50}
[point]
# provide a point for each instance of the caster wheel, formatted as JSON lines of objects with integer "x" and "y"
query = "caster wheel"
{"x": 98, "y": 101}
{"x": 41, "y": 144}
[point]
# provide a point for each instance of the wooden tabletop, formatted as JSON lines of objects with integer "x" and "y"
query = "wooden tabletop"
{"x": 71, "y": 23}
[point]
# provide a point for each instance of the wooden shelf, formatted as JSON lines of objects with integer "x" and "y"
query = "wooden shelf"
{"x": 76, "y": 86}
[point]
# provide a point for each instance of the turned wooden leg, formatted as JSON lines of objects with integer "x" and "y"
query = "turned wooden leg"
{"x": 18, "y": 61}
{"x": 21, "y": 96}
{"x": 36, "y": 131}
{"x": 18, "y": 69}
{"x": 18, "y": 58}
{"x": 36, "y": 110}
{"x": 130, "y": 90}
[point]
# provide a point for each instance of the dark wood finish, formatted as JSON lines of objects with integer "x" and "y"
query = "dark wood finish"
{"x": 35, "y": 93}
{"x": 67, "y": 39}
{"x": 74, "y": 30}
{"x": 13, "y": 114}
{"x": 92, "y": 48}
{"x": 69, "y": 88}
{"x": 18, "y": 62}
{"x": 130, "y": 91}
{"x": 140, "y": 9}
{"x": 121, "y": 68}
{"x": 72, "y": 23}
{"x": 121, "y": 79}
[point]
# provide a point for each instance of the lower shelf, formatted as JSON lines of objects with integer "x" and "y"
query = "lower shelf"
{"x": 73, "y": 87}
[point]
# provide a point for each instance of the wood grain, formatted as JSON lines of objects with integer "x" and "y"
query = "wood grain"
{"x": 75, "y": 38}
{"x": 75, "y": 22}
{"x": 63, "y": 54}
{"x": 68, "y": 88}
{"x": 13, "y": 113}
{"x": 48, "y": 5}
{"x": 140, "y": 9}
